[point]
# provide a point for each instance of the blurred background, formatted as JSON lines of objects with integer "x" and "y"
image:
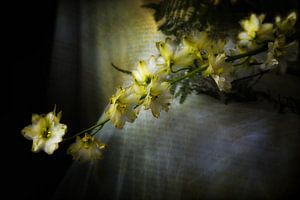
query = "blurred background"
{"x": 62, "y": 55}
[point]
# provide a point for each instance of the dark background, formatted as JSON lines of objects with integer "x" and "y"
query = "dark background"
{"x": 31, "y": 32}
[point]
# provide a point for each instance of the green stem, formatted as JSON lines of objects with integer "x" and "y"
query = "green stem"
{"x": 87, "y": 129}
{"x": 178, "y": 70}
{"x": 249, "y": 53}
{"x": 192, "y": 73}
{"x": 228, "y": 59}
{"x": 121, "y": 70}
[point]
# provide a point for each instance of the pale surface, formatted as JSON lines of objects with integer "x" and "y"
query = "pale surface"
{"x": 202, "y": 149}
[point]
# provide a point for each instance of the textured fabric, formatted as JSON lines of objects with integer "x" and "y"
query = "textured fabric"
{"x": 90, "y": 35}
{"x": 201, "y": 149}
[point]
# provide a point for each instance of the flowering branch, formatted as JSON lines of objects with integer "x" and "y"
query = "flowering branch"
{"x": 190, "y": 74}
{"x": 100, "y": 125}
{"x": 198, "y": 58}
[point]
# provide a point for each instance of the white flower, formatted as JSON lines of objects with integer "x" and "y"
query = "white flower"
{"x": 87, "y": 148}
{"x": 122, "y": 107}
{"x": 45, "y": 131}
{"x": 158, "y": 97}
{"x": 155, "y": 96}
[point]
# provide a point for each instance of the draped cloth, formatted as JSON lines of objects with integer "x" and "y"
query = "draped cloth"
{"x": 201, "y": 149}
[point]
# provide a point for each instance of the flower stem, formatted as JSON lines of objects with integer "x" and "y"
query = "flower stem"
{"x": 121, "y": 70}
{"x": 192, "y": 73}
{"x": 87, "y": 129}
{"x": 178, "y": 70}
{"x": 249, "y": 53}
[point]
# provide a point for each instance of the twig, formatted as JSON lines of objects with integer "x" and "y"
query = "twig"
{"x": 121, "y": 70}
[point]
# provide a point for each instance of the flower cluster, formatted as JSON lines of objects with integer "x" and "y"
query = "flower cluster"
{"x": 276, "y": 36}
{"x": 149, "y": 89}
{"x": 260, "y": 46}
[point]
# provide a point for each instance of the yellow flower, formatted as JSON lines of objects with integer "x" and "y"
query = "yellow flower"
{"x": 167, "y": 50}
{"x": 45, "y": 132}
{"x": 157, "y": 97}
{"x": 286, "y": 26}
{"x": 255, "y": 31}
{"x": 146, "y": 71}
{"x": 87, "y": 148}
{"x": 122, "y": 106}
{"x": 220, "y": 71}
{"x": 201, "y": 40}
{"x": 191, "y": 48}
{"x": 217, "y": 65}
{"x": 181, "y": 55}
{"x": 251, "y": 25}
